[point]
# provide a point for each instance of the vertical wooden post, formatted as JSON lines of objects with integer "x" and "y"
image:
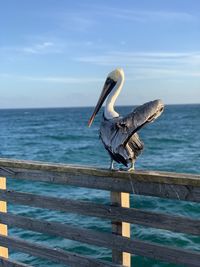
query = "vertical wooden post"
{"x": 3, "y": 227}
{"x": 121, "y": 228}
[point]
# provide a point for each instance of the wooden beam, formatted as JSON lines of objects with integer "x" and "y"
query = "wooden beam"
{"x": 121, "y": 228}
{"x": 56, "y": 255}
{"x": 9, "y": 263}
{"x": 137, "y": 247}
{"x": 160, "y": 184}
{"x": 174, "y": 223}
{"x": 92, "y": 237}
{"x": 3, "y": 227}
{"x": 116, "y": 242}
{"x": 11, "y": 166}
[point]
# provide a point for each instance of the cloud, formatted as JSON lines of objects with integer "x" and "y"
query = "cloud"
{"x": 60, "y": 79}
{"x": 41, "y": 48}
{"x": 141, "y": 15}
{"x": 149, "y": 64}
{"x": 145, "y": 16}
{"x": 51, "y": 79}
{"x": 137, "y": 57}
{"x": 45, "y": 47}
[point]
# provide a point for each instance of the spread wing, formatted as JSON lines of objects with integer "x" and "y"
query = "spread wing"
{"x": 134, "y": 121}
{"x": 118, "y": 131}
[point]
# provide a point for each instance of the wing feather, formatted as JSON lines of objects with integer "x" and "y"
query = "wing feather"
{"x": 119, "y": 134}
{"x": 139, "y": 117}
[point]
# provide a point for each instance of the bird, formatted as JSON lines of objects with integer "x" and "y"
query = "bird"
{"x": 118, "y": 134}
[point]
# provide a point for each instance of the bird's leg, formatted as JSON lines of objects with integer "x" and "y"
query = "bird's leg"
{"x": 132, "y": 168}
{"x": 111, "y": 164}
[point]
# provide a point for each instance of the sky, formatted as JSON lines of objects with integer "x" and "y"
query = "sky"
{"x": 58, "y": 53}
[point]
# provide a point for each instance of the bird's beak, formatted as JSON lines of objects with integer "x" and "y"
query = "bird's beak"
{"x": 108, "y": 86}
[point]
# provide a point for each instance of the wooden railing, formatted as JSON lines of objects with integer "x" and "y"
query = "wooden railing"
{"x": 158, "y": 184}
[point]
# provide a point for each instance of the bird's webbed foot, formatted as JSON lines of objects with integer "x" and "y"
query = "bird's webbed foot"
{"x": 132, "y": 168}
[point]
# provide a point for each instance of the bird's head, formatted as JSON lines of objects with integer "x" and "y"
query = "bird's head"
{"x": 116, "y": 74}
{"x": 111, "y": 80}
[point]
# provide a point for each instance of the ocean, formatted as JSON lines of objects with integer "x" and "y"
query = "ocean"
{"x": 172, "y": 143}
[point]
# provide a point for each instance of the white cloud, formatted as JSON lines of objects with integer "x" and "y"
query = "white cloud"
{"x": 150, "y": 64}
{"x": 51, "y": 79}
{"x": 38, "y": 48}
{"x": 60, "y": 79}
{"x": 141, "y": 15}
{"x": 136, "y": 57}
{"x": 41, "y": 48}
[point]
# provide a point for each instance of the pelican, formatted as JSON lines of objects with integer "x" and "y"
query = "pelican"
{"x": 119, "y": 134}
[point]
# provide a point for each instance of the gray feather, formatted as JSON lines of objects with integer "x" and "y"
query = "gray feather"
{"x": 119, "y": 134}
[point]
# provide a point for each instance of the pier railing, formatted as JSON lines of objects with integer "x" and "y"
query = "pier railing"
{"x": 121, "y": 184}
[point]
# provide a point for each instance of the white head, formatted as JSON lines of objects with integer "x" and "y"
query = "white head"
{"x": 116, "y": 74}
{"x": 113, "y": 78}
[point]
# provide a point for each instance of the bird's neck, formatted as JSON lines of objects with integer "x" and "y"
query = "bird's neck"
{"x": 109, "y": 111}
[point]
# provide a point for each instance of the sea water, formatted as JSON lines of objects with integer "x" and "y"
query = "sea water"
{"x": 172, "y": 143}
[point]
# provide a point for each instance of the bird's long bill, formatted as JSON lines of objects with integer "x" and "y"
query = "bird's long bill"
{"x": 108, "y": 86}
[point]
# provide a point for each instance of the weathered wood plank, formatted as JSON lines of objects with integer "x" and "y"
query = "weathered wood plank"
{"x": 112, "y": 241}
{"x": 113, "y": 213}
{"x": 53, "y": 254}
{"x": 92, "y": 237}
{"x": 142, "y": 248}
{"x": 145, "y": 176}
{"x": 138, "y": 182}
{"x": 3, "y": 227}
{"x": 167, "y": 254}
{"x": 9, "y": 263}
{"x": 121, "y": 228}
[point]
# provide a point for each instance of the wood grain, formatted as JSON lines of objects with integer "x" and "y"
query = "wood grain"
{"x": 151, "y": 183}
{"x": 121, "y": 228}
{"x": 4, "y": 262}
{"x": 53, "y": 254}
{"x": 142, "y": 176}
{"x": 118, "y": 214}
{"x": 142, "y": 248}
{"x": 158, "y": 184}
{"x": 139, "y": 182}
{"x": 112, "y": 241}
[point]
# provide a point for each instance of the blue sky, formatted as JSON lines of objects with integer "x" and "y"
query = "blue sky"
{"x": 58, "y": 53}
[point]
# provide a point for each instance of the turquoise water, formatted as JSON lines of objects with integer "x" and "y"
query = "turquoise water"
{"x": 172, "y": 143}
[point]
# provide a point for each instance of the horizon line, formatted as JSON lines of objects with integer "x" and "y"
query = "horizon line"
{"x": 62, "y": 107}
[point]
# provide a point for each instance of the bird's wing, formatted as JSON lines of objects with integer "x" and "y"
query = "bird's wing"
{"x": 142, "y": 115}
